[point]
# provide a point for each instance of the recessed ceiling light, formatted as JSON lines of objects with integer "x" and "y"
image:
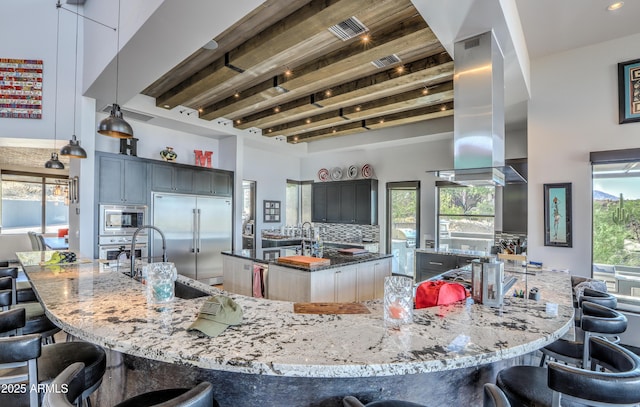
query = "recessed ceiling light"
{"x": 615, "y": 6}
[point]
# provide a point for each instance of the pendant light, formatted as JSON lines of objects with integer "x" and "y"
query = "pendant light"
{"x": 73, "y": 149}
{"x": 53, "y": 162}
{"x": 115, "y": 125}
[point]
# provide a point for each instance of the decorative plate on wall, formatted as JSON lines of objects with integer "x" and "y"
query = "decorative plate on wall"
{"x": 367, "y": 171}
{"x": 323, "y": 175}
{"x": 336, "y": 173}
{"x": 352, "y": 172}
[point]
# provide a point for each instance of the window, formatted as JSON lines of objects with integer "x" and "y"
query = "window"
{"x": 403, "y": 224}
{"x": 33, "y": 202}
{"x": 298, "y": 202}
{"x": 616, "y": 229}
{"x": 466, "y": 217}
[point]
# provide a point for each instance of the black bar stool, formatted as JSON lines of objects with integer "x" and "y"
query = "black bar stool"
{"x": 198, "y": 396}
{"x": 54, "y": 358}
{"x": 596, "y": 320}
{"x": 72, "y": 378}
{"x": 351, "y": 401}
{"x": 539, "y": 386}
{"x": 494, "y": 397}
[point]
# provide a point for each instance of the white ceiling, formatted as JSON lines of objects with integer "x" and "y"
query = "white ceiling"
{"x": 552, "y": 26}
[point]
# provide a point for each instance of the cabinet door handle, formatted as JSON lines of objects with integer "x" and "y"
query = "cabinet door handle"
{"x": 435, "y": 263}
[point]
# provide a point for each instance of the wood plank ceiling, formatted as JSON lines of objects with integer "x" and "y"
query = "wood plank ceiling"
{"x": 282, "y": 70}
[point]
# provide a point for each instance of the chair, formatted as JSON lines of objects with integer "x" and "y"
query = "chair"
{"x": 72, "y": 378}
{"x": 37, "y": 243}
{"x": 596, "y": 320}
{"x": 351, "y": 401}
{"x": 17, "y": 352}
{"x": 494, "y": 397}
{"x": 37, "y": 321}
{"x": 539, "y": 386}
{"x": 198, "y": 396}
{"x": 24, "y": 291}
{"x": 54, "y": 358}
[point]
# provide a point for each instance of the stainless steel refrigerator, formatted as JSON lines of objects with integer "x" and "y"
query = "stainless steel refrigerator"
{"x": 197, "y": 229}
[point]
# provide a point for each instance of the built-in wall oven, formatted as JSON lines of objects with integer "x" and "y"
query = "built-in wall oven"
{"x": 111, "y": 247}
{"x": 117, "y": 226}
{"x": 121, "y": 219}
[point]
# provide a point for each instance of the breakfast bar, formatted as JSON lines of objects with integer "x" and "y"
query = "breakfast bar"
{"x": 279, "y": 357}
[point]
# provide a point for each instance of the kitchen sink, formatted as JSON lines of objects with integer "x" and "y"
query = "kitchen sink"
{"x": 187, "y": 292}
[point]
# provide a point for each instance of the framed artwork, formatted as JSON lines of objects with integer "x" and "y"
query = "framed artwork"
{"x": 557, "y": 215}
{"x": 21, "y": 93}
{"x": 271, "y": 211}
{"x": 629, "y": 91}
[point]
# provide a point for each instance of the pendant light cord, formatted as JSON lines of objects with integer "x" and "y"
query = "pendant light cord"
{"x": 75, "y": 76}
{"x": 118, "y": 53}
{"x": 55, "y": 102}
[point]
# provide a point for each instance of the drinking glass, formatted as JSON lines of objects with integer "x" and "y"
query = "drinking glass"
{"x": 161, "y": 279}
{"x": 398, "y": 301}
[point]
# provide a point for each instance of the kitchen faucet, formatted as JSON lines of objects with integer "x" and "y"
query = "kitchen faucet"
{"x": 133, "y": 245}
{"x": 309, "y": 235}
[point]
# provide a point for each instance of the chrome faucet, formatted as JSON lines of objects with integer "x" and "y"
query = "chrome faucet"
{"x": 133, "y": 247}
{"x": 309, "y": 236}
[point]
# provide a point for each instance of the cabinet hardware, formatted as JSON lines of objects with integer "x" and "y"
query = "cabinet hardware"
{"x": 435, "y": 263}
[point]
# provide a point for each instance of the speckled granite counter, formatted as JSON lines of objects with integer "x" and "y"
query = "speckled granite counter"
{"x": 322, "y": 357}
{"x": 337, "y": 259}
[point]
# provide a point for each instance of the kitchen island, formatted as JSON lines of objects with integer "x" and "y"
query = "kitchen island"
{"x": 278, "y": 357}
{"x": 347, "y": 277}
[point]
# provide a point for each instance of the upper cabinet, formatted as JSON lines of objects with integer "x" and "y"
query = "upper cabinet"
{"x": 121, "y": 179}
{"x": 354, "y": 202}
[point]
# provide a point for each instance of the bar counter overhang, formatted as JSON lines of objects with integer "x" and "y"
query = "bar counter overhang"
{"x": 277, "y": 357}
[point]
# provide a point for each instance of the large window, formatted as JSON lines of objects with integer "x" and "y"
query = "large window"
{"x": 298, "y": 206}
{"x": 466, "y": 217}
{"x": 32, "y": 202}
{"x": 616, "y": 229}
{"x": 403, "y": 224}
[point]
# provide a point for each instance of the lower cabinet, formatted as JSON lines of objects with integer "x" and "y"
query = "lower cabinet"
{"x": 357, "y": 282}
{"x": 238, "y": 275}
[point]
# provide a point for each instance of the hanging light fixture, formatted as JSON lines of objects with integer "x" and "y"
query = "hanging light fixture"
{"x": 53, "y": 162}
{"x": 73, "y": 149}
{"x": 115, "y": 125}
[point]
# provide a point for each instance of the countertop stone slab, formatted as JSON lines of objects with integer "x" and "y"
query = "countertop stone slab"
{"x": 110, "y": 309}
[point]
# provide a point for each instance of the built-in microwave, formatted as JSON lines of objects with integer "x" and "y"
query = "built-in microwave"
{"x": 121, "y": 219}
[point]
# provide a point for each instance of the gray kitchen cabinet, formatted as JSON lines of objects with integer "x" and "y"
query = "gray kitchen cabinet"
{"x": 353, "y": 202}
{"x": 121, "y": 179}
{"x": 212, "y": 182}
{"x": 429, "y": 265}
{"x": 171, "y": 178}
{"x": 222, "y": 183}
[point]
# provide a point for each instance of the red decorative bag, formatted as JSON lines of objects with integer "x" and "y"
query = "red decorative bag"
{"x": 432, "y": 293}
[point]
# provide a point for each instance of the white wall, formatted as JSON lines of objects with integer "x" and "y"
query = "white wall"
{"x": 572, "y": 112}
{"x": 270, "y": 170}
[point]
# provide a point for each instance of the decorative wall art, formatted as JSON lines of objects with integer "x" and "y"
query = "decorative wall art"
{"x": 21, "y": 88}
{"x": 557, "y": 215}
{"x": 272, "y": 211}
{"x": 629, "y": 91}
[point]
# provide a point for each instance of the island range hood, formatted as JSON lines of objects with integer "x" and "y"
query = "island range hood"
{"x": 478, "y": 119}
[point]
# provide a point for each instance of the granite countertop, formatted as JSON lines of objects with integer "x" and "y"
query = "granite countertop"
{"x": 110, "y": 309}
{"x": 270, "y": 255}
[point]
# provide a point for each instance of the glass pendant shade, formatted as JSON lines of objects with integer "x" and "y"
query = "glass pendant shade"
{"x": 114, "y": 125}
{"x": 54, "y": 163}
{"x": 73, "y": 149}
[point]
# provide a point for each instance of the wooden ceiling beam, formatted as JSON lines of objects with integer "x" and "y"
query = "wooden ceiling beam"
{"x": 418, "y": 115}
{"x": 417, "y": 74}
{"x": 259, "y": 19}
{"x": 297, "y": 38}
{"x": 331, "y": 70}
{"x": 407, "y": 101}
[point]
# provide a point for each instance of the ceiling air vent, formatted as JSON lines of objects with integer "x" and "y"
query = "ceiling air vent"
{"x": 386, "y": 61}
{"x": 349, "y": 28}
{"x": 128, "y": 114}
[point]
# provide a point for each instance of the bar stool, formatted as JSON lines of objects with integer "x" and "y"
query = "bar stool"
{"x": 37, "y": 321}
{"x": 198, "y": 396}
{"x": 54, "y": 358}
{"x": 351, "y": 401}
{"x": 494, "y": 397}
{"x": 73, "y": 379}
{"x": 539, "y": 386}
{"x": 596, "y": 320}
{"x": 24, "y": 291}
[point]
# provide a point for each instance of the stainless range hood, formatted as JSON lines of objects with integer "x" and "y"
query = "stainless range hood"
{"x": 478, "y": 120}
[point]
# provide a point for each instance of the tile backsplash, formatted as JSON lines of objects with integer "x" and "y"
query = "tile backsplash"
{"x": 340, "y": 232}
